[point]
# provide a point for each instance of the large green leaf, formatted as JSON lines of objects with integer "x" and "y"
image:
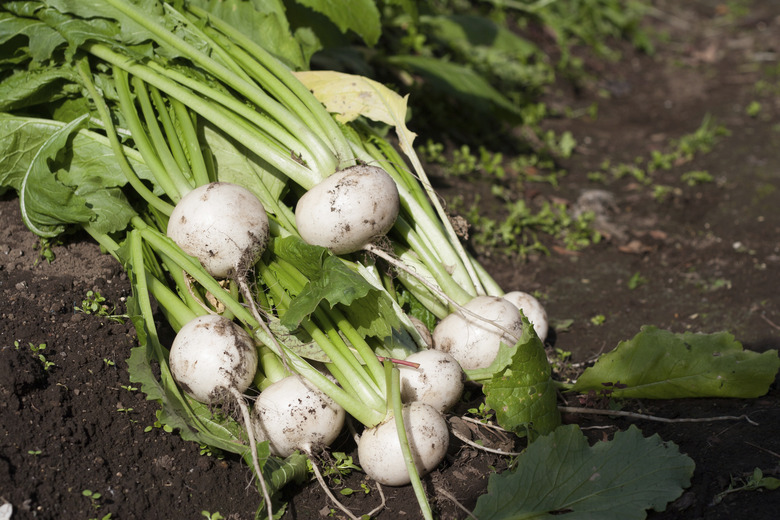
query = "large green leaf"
{"x": 39, "y": 86}
{"x": 42, "y": 38}
{"x": 658, "y": 364}
{"x": 64, "y": 174}
{"x": 522, "y": 392}
{"x": 359, "y": 16}
{"x": 262, "y": 21}
{"x": 561, "y": 476}
{"x": 458, "y": 81}
{"x": 332, "y": 281}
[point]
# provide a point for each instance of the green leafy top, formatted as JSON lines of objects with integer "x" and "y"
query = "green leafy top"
{"x": 659, "y": 364}
{"x": 522, "y": 392}
{"x": 561, "y": 476}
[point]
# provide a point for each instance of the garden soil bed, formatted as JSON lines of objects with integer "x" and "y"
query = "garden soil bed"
{"x": 709, "y": 256}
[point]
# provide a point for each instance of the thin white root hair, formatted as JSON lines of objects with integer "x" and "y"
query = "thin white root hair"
{"x": 634, "y": 415}
{"x": 455, "y": 501}
{"x": 253, "y": 449}
{"x": 247, "y": 294}
{"x": 483, "y": 448}
{"x": 382, "y": 504}
{"x": 327, "y": 490}
{"x": 486, "y": 425}
{"x": 371, "y": 248}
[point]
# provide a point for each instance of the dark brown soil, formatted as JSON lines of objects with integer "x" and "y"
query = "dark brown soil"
{"x": 710, "y": 255}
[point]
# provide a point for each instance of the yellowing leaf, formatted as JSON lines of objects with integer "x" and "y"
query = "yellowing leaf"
{"x": 351, "y": 96}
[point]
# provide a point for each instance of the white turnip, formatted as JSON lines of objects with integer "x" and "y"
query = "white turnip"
{"x": 223, "y": 225}
{"x": 214, "y": 360}
{"x": 379, "y": 448}
{"x": 211, "y": 357}
{"x": 348, "y": 209}
{"x": 473, "y": 335}
{"x": 532, "y": 309}
{"x": 292, "y": 414}
{"x": 438, "y": 381}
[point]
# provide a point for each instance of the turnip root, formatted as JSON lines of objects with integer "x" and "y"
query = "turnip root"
{"x": 473, "y": 336}
{"x": 211, "y": 356}
{"x": 532, "y": 309}
{"x": 214, "y": 360}
{"x": 223, "y": 225}
{"x": 292, "y": 414}
{"x": 438, "y": 381}
{"x": 379, "y": 449}
{"x": 348, "y": 209}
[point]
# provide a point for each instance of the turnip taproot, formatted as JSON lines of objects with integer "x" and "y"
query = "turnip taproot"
{"x": 474, "y": 334}
{"x": 211, "y": 356}
{"x": 532, "y": 309}
{"x": 437, "y": 381}
{"x": 348, "y": 209}
{"x": 379, "y": 449}
{"x": 214, "y": 360}
{"x": 223, "y": 225}
{"x": 292, "y": 414}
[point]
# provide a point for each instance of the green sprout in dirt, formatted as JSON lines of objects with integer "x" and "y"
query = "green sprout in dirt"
{"x": 212, "y": 516}
{"x": 96, "y": 303}
{"x": 45, "y": 248}
{"x": 93, "y": 497}
{"x": 755, "y": 481}
{"x": 636, "y": 281}
{"x": 37, "y": 351}
{"x": 680, "y": 151}
{"x": 598, "y": 319}
{"x": 521, "y": 230}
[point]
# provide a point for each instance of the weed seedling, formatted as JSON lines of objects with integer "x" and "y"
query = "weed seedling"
{"x": 95, "y": 303}
{"x": 212, "y": 516}
{"x": 37, "y": 351}
{"x": 756, "y": 481}
{"x": 93, "y": 497}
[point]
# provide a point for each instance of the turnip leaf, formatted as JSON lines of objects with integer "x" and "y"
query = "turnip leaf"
{"x": 658, "y": 364}
{"x": 80, "y": 186}
{"x": 262, "y": 21}
{"x": 522, "y": 392}
{"x": 42, "y": 38}
{"x": 359, "y": 16}
{"x": 460, "y": 82}
{"x": 560, "y": 474}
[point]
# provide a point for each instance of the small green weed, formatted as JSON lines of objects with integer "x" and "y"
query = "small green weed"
{"x": 695, "y": 178}
{"x": 37, "y": 351}
{"x": 93, "y": 497}
{"x": 45, "y": 251}
{"x": 95, "y": 303}
{"x": 212, "y": 516}
{"x": 598, "y": 319}
{"x": 755, "y": 481}
{"x": 636, "y": 281}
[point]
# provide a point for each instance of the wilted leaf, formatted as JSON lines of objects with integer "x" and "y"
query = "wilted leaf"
{"x": 351, "y": 96}
{"x": 561, "y": 475}
{"x": 658, "y": 364}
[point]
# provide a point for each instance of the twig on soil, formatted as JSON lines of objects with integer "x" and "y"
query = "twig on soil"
{"x": 763, "y": 449}
{"x": 634, "y": 415}
{"x": 454, "y": 500}
{"x": 480, "y": 423}
{"x": 770, "y": 322}
{"x": 327, "y": 490}
{"x": 483, "y": 448}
